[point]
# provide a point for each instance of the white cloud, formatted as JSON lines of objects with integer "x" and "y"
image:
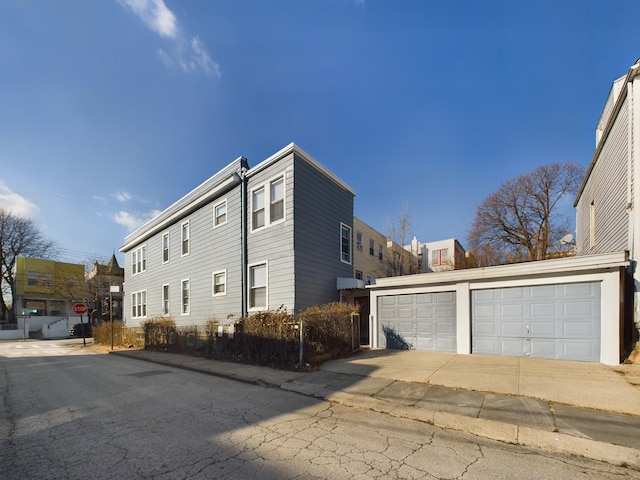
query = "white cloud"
{"x": 155, "y": 14}
{"x": 16, "y": 203}
{"x": 199, "y": 58}
{"x": 122, "y": 196}
{"x": 190, "y": 56}
{"x": 131, "y": 221}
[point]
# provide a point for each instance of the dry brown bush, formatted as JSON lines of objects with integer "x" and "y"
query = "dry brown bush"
{"x": 160, "y": 333}
{"x": 122, "y": 336}
{"x": 270, "y": 338}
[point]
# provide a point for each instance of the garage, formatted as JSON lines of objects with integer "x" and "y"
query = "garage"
{"x": 420, "y": 321}
{"x": 572, "y": 308}
{"x": 559, "y": 321}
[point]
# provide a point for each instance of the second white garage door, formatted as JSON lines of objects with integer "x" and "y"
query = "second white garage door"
{"x": 547, "y": 321}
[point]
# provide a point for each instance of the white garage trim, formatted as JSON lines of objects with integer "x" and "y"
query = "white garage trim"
{"x": 605, "y": 269}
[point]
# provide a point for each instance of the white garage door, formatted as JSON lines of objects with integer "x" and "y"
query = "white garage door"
{"x": 549, "y": 321}
{"x": 420, "y": 321}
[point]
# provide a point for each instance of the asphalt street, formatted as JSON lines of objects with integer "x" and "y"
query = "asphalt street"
{"x": 69, "y": 414}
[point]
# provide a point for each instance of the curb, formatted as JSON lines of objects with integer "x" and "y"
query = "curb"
{"x": 490, "y": 429}
{"x": 493, "y": 430}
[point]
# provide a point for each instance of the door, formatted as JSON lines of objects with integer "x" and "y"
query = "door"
{"x": 546, "y": 321}
{"x": 420, "y": 321}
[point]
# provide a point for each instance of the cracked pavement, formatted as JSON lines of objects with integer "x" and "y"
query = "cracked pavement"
{"x": 69, "y": 415}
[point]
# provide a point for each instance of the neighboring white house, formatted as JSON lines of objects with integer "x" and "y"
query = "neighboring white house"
{"x": 608, "y": 202}
{"x": 437, "y": 256}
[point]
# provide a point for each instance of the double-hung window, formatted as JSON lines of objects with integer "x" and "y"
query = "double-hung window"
{"x": 165, "y": 248}
{"x": 359, "y": 245}
{"x": 220, "y": 214}
{"x": 269, "y": 195}
{"x": 185, "y": 238}
{"x": 345, "y": 243}
{"x": 219, "y": 283}
{"x": 277, "y": 200}
{"x": 139, "y": 260}
{"x": 258, "y": 286}
{"x": 372, "y": 248}
{"x": 165, "y": 299}
{"x": 257, "y": 206}
{"x": 186, "y": 297}
{"x": 139, "y": 304}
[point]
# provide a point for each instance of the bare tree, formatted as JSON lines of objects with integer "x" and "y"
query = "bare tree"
{"x": 397, "y": 260}
{"x": 19, "y": 236}
{"x": 521, "y": 221}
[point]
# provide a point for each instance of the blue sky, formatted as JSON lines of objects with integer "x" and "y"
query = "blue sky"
{"x": 111, "y": 110}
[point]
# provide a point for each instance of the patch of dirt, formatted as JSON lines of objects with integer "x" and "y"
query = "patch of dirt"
{"x": 100, "y": 348}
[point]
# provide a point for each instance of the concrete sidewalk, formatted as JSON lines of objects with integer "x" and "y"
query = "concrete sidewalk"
{"x": 578, "y": 408}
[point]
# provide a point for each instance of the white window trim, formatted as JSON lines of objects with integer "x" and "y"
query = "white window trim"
{"x": 267, "y": 202}
{"x": 166, "y": 301}
{"x": 135, "y": 254}
{"x": 182, "y": 225}
{"x": 344, "y": 225}
{"x": 168, "y": 237}
{"x": 266, "y": 290}
{"x": 134, "y": 304}
{"x": 213, "y": 283}
{"x": 226, "y": 213}
{"x": 182, "y": 312}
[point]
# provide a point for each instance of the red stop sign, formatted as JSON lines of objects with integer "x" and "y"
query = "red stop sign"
{"x": 80, "y": 308}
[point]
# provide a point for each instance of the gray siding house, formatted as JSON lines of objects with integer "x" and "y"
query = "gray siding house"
{"x": 608, "y": 202}
{"x": 246, "y": 240}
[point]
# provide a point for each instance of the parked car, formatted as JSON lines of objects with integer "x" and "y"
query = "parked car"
{"x": 80, "y": 330}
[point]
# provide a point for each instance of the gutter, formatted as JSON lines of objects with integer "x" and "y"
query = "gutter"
{"x": 219, "y": 189}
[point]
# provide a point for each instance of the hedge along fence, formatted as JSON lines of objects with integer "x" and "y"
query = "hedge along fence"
{"x": 122, "y": 336}
{"x": 273, "y": 338}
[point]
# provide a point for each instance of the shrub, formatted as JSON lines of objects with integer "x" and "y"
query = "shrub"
{"x": 329, "y": 331}
{"x": 268, "y": 338}
{"x": 160, "y": 332}
{"x": 122, "y": 336}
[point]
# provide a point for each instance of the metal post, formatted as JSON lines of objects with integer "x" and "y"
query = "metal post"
{"x": 84, "y": 335}
{"x": 111, "y": 314}
{"x": 301, "y": 358}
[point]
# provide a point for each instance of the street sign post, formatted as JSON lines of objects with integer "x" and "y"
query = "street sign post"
{"x": 81, "y": 309}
